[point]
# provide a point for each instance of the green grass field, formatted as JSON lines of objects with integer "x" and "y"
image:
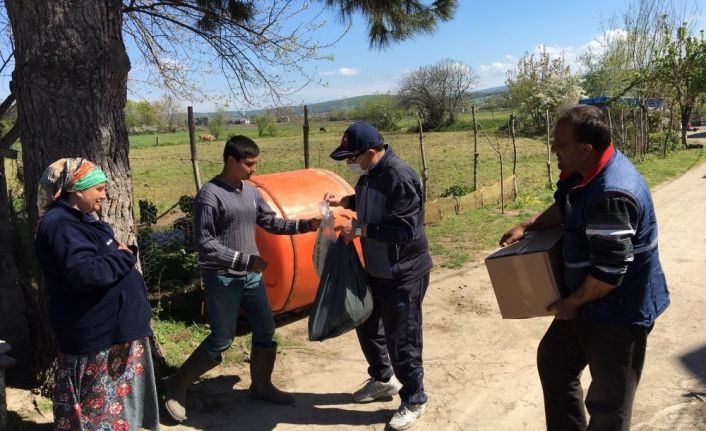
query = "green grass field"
{"x": 162, "y": 174}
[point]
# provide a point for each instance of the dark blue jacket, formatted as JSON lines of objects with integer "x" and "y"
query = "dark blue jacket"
{"x": 642, "y": 295}
{"x": 96, "y": 296}
{"x": 390, "y": 200}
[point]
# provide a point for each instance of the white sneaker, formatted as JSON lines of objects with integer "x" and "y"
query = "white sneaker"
{"x": 405, "y": 416}
{"x": 374, "y": 389}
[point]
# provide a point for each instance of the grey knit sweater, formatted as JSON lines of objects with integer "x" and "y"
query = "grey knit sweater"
{"x": 224, "y": 222}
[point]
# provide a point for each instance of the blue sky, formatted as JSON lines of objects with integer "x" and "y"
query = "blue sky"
{"x": 488, "y": 36}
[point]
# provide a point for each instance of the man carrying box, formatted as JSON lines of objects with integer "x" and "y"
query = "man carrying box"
{"x": 612, "y": 273}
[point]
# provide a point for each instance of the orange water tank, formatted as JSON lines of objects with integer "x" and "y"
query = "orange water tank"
{"x": 290, "y": 277}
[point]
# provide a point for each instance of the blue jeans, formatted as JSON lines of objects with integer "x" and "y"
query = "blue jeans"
{"x": 225, "y": 294}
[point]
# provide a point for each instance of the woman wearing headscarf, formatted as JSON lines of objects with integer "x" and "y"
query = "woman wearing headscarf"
{"x": 97, "y": 304}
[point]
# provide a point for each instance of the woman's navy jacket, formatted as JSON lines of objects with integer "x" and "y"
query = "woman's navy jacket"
{"x": 96, "y": 297}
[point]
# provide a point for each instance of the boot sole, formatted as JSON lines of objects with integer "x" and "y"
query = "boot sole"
{"x": 172, "y": 415}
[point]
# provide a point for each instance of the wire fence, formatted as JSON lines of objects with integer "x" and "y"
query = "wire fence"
{"x": 163, "y": 180}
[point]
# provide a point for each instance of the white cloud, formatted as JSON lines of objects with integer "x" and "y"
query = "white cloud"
{"x": 600, "y": 43}
{"x": 457, "y": 66}
{"x": 567, "y": 52}
{"x": 494, "y": 74}
{"x": 343, "y": 71}
{"x": 348, "y": 71}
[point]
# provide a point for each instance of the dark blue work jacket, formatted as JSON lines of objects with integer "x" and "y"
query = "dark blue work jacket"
{"x": 642, "y": 295}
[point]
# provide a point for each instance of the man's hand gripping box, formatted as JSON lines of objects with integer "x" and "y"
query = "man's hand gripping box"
{"x": 527, "y": 275}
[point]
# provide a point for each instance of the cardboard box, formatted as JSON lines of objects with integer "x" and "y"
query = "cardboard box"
{"x": 527, "y": 275}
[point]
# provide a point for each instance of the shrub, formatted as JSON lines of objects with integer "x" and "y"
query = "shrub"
{"x": 456, "y": 190}
{"x": 149, "y": 129}
{"x": 265, "y": 126}
{"x": 169, "y": 260}
{"x": 380, "y": 111}
{"x": 658, "y": 139}
{"x": 148, "y": 212}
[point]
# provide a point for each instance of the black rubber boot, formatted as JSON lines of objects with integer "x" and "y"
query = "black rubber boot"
{"x": 262, "y": 362}
{"x": 176, "y": 385}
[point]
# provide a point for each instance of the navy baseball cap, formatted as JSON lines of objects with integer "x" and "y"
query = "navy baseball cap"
{"x": 358, "y": 136}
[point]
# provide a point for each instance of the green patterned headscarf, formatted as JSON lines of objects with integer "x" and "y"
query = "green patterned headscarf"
{"x": 67, "y": 175}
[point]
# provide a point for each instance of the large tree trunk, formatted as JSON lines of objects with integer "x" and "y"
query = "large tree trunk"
{"x": 70, "y": 78}
{"x": 13, "y": 322}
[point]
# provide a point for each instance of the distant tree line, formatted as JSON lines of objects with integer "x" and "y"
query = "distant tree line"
{"x": 163, "y": 115}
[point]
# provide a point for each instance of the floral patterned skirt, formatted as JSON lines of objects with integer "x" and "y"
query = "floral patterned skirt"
{"x": 109, "y": 390}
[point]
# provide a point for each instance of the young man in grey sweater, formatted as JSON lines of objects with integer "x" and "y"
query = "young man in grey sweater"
{"x": 226, "y": 211}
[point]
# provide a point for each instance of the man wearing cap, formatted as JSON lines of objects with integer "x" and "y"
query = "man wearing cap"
{"x": 388, "y": 201}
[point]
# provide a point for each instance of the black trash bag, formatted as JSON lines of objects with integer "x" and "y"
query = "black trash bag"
{"x": 343, "y": 300}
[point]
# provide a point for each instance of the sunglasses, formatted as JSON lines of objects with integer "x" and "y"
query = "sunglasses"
{"x": 355, "y": 156}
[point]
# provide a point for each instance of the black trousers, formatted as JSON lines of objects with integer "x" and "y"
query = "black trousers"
{"x": 614, "y": 354}
{"x": 391, "y": 339}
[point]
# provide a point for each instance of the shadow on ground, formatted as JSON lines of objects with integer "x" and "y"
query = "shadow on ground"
{"x": 695, "y": 362}
{"x": 15, "y": 422}
{"x": 215, "y": 405}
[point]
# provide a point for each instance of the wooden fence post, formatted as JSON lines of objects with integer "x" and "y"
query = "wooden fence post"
{"x": 192, "y": 144}
{"x": 514, "y": 156}
{"x": 637, "y": 133}
{"x": 305, "y": 127}
{"x": 425, "y": 175}
{"x": 610, "y": 122}
{"x": 475, "y": 148}
{"x": 645, "y": 129}
{"x": 549, "y": 152}
{"x": 502, "y": 184}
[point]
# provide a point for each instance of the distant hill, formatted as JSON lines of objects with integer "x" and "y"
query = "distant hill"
{"x": 346, "y": 104}
{"x": 350, "y": 103}
{"x": 489, "y": 91}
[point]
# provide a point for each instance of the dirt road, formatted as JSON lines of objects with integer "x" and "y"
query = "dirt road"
{"x": 480, "y": 369}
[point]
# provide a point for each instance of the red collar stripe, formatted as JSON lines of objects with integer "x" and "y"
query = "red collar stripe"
{"x": 602, "y": 162}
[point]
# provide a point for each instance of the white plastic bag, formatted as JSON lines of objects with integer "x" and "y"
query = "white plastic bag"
{"x": 325, "y": 237}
